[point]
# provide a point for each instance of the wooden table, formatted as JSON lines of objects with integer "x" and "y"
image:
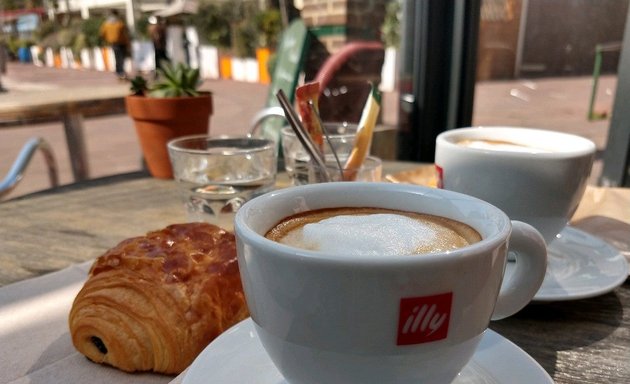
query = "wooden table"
{"x": 70, "y": 106}
{"x": 582, "y": 341}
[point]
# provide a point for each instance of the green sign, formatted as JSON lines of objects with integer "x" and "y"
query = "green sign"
{"x": 290, "y": 59}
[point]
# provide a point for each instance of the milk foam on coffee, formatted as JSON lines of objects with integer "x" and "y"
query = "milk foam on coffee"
{"x": 497, "y": 145}
{"x": 377, "y": 233}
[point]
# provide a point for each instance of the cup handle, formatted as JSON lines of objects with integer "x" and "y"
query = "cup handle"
{"x": 518, "y": 289}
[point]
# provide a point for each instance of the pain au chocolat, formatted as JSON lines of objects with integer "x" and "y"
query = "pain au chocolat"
{"x": 152, "y": 303}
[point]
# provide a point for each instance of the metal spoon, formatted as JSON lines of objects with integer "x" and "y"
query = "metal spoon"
{"x": 325, "y": 131}
{"x": 303, "y": 135}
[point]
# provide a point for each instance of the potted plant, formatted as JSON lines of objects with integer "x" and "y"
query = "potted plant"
{"x": 243, "y": 33}
{"x": 214, "y": 32}
{"x": 87, "y": 40}
{"x": 269, "y": 23}
{"x": 244, "y": 65}
{"x": 171, "y": 107}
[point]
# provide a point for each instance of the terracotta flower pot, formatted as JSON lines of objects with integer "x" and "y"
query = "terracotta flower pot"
{"x": 158, "y": 120}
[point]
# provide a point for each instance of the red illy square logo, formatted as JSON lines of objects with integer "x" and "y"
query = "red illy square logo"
{"x": 440, "y": 176}
{"x": 424, "y": 319}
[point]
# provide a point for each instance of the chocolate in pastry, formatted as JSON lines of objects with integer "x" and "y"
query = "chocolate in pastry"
{"x": 152, "y": 303}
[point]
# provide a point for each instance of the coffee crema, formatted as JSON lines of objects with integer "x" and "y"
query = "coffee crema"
{"x": 372, "y": 231}
{"x": 500, "y": 145}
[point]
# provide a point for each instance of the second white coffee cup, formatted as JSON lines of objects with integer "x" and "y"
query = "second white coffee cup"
{"x": 534, "y": 175}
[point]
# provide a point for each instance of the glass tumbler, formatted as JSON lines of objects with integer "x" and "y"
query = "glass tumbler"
{"x": 216, "y": 175}
{"x": 301, "y": 169}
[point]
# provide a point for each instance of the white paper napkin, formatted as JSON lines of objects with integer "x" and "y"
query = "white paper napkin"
{"x": 35, "y": 344}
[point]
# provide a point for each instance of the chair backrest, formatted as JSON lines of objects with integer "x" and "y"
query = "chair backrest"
{"x": 344, "y": 78}
{"x": 335, "y": 63}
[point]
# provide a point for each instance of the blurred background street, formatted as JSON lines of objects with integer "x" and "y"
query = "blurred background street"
{"x": 550, "y": 103}
{"x": 111, "y": 140}
{"x": 549, "y": 65}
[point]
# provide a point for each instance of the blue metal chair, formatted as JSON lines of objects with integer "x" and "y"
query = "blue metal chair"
{"x": 16, "y": 173}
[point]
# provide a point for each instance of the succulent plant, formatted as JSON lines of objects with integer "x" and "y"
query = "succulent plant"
{"x": 176, "y": 81}
{"x": 173, "y": 81}
{"x": 139, "y": 86}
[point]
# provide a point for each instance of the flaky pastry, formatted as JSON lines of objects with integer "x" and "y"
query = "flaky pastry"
{"x": 153, "y": 303}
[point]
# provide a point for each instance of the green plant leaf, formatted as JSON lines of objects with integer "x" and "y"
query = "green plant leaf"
{"x": 139, "y": 85}
{"x": 177, "y": 80}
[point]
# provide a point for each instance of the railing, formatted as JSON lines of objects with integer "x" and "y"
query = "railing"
{"x": 16, "y": 173}
{"x": 600, "y": 49}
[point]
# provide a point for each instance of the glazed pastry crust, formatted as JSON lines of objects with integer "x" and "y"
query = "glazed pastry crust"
{"x": 152, "y": 303}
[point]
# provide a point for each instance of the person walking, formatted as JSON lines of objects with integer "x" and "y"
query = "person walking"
{"x": 157, "y": 31}
{"x": 115, "y": 33}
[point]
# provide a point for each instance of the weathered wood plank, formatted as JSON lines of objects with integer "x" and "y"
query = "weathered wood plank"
{"x": 581, "y": 341}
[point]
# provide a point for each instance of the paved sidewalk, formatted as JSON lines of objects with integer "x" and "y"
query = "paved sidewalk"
{"x": 111, "y": 141}
{"x": 557, "y": 103}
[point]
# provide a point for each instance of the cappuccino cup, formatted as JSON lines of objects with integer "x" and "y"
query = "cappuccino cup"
{"x": 533, "y": 175}
{"x": 379, "y": 283}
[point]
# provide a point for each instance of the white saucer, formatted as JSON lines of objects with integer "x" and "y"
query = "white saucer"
{"x": 237, "y": 357}
{"x": 580, "y": 266}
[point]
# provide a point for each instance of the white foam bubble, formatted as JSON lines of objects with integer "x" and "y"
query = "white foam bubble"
{"x": 375, "y": 234}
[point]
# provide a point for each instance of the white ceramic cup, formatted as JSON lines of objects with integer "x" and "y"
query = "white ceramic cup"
{"x": 330, "y": 318}
{"x": 542, "y": 186}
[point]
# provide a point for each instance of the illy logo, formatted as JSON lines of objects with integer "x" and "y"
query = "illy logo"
{"x": 424, "y": 319}
{"x": 440, "y": 176}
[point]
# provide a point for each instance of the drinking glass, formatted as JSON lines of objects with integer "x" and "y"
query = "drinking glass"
{"x": 301, "y": 169}
{"x": 216, "y": 175}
